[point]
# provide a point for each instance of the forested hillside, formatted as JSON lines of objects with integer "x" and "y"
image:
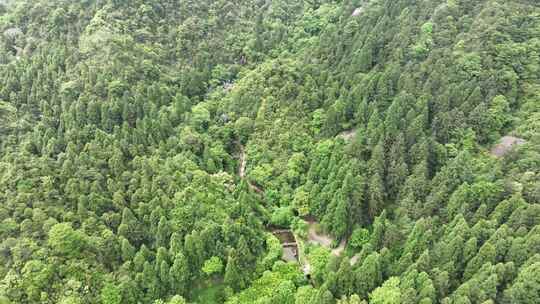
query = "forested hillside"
{"x": 150, "y": 151}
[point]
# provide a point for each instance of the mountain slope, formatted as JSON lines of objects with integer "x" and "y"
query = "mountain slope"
{"x": 120, "y": 128}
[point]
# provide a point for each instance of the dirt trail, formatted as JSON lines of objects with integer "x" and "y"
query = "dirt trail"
{"x": 340, "y": 249}
{"x": 290, "y": 253}
{"x": 243, "y": 161}
{"x": 323, "y": 239}
{"x": 242, "y": 168}
{"x": 355, "y": 259}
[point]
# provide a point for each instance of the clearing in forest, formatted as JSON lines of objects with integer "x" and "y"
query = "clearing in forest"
{"x": 506, "y": 144}
{"x": 315, "y": 237}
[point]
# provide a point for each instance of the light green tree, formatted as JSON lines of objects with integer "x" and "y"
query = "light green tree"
{"x": 213, "y": 266}
{"x": 388, "y": 293}
{"x": 64, "y": 240}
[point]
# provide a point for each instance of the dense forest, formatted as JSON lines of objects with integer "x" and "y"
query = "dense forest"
{"x": 150, "y": 150}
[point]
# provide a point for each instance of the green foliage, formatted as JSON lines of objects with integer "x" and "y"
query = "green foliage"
{"x": 120, "y": 128}
{"x": 276, "y": 286}
{"x": 66, "y": 241}
{"x": 282, "y": 217}
{"x": 318, "y": 257}
{"x": 176, "y": 300}
{"x": 7, "y": 116}
{"x": 70, "y": 300}
{"x": 232, "y": 278}
{"x": 200, "y": 116}
{"x": 359, "y": 238}
{"x": 212, "y": 266}
{"x": 274, "y": 253}
{"x": 305, "y": 294}
{"x": 425, "y": 41}
{"x": 110, "y": 294}
{"x": 526, "y": 287}
{"x": 388, "y": 293}
{"x": 243, "y": 128}
{"x": 213, "y": 293}
{"x": 179, "y": 274}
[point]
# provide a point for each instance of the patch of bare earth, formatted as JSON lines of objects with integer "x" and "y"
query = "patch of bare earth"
{"x": 324, "y": 240}
{"x": 506, "y": 144}
{"x": 347, "y": 135}
{"x": 354, "y": 259}
{"x": 242, "y": 169}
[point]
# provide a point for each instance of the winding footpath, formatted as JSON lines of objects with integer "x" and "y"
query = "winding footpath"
{"x": 323, "y": 239}
{"x": 242, "y": 169}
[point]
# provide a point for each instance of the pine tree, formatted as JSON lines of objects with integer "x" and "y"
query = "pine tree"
{"x": 179, "y": 274}
{"x": 345, "y": 279}
{"x": 163, "y": 232}
{"x": 128, "y": 251}
{"x": 110, "y": 294}
{"x": 232, "y": 276}
{"x": 369, "y": 275}
{"x": 388, "y": 293}
{"x": 526, "y": 287}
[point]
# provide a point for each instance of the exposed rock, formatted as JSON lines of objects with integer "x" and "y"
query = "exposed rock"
{"x": 227, "y": 86}
{"x": 288, "y": 243}
{"x": 357, "y": 11}
{"x": 243, "y": 161}
{"x": 224, "y": 118}
{"x": 306, "y": 269}
{"x": 347, "y": 135}
{"x": 506, "y": 144}
{"x": 243, "y": 60}
{"x": 290, "y": 254}
{"x": 19, "y": 51}
{"x": 12, "y": 33}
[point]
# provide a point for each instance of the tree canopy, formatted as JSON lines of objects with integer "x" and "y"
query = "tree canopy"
{"x": 151, "y": 150}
